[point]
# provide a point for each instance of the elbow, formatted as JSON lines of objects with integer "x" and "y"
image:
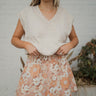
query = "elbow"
{"x": 77, "y": 41}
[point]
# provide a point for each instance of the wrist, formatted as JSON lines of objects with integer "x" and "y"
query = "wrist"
{"x": 70, "y": 45}
{"x": 25, "y": 44}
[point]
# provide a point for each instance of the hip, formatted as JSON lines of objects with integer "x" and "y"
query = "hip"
{"x": 43, "y": 59}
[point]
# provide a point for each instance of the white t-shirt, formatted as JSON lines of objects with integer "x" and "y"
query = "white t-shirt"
{"x": 46, "y": 35}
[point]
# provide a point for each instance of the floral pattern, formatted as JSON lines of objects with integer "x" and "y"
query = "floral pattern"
{"x": 46, "y": 76}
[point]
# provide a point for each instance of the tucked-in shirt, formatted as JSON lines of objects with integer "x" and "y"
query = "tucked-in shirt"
{"x": 46, "y": 35}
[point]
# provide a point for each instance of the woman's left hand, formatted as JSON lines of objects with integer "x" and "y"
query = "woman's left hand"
{"x": 64, "y": 49}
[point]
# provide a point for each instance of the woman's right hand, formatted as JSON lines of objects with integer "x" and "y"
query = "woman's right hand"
{"x": 31, "y": 49}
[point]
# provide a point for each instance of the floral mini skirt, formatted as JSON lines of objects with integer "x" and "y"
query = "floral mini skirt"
{"x": 46, "y": 76}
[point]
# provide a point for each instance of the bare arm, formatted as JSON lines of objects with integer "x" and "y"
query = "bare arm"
{"x": 17, "y": 42}
{"x": 73, "y": 38}
{"x": 64, "y": 49}
{"x": 16, "y": 38}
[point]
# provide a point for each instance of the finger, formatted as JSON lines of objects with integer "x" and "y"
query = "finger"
{"x": 34, "y": 52}
{"x": 31, "y": 54}
{"x": 63, "y": 53}
{"x": 66, "y": 53}
{"x": 37, "y": 52}
{"x": 59, "y": 51}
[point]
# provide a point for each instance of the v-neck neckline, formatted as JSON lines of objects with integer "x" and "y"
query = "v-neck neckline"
{"x": 43, "y": 17}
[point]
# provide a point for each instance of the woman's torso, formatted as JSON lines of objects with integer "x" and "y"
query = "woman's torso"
{"x": 46, "y": 36}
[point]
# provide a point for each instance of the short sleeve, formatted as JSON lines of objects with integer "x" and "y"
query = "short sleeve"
{"x": 70, "y": 23}
{"x": 68, "y": 19}
{"x": 20, "y": 16}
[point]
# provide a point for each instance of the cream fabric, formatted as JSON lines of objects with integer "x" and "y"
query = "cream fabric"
{"x": 46, "y": 35}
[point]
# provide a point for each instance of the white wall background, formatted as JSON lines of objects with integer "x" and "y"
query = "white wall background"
{"x": 84, "y": 23}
